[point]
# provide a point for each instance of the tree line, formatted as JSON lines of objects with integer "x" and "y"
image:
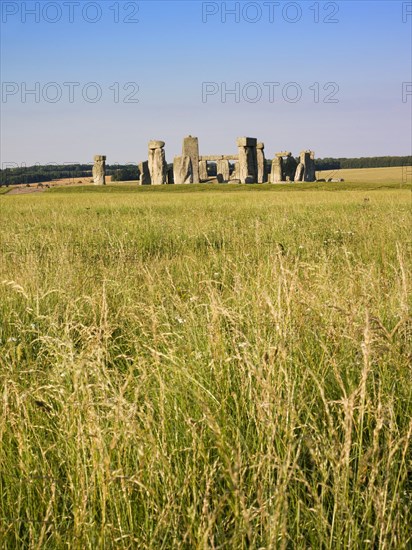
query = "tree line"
{"x": 362, "y": 162}
{"x": 43, "y": 173}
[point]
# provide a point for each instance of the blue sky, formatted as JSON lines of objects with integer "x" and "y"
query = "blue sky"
{"x": 170, "y": 54}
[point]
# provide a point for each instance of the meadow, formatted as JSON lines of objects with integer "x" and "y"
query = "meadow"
{"x": 206, "y": 367}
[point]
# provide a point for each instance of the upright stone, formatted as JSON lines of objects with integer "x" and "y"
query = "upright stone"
{"x": 235, "y": 173}
{"x": 299, "y": 172}
{"x": 144, "y": 173}
{"x": 191, "y": 149}
{"x": 289, "y": 167}
{"x": 247, "y": 159}
{"x": 307, "y": 158}
{"x": 99, "y": 170}
{"x": 157, "y": 163}
{"x": 223, "y": 170}
{"x": 182, "y": 170}
{"x": 261, "y": 163}
{"x": 277, "y": 170}
{"x": 203, "y": 170}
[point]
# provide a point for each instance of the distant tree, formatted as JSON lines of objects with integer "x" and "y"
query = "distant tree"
{"x": 128, "y": 173}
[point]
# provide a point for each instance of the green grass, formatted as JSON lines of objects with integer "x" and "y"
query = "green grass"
{"x": 183, "y": 369}
{"x": 122, "y": 187}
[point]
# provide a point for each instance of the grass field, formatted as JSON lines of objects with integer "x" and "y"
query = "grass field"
{"x": 397, "y": 174}
{"x": 185, "y": 369}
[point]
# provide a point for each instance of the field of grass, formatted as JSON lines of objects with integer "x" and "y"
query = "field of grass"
{"x": 184, "y": 369}
{"x": 396, "y": 174}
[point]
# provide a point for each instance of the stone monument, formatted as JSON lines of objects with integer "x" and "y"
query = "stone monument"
{"x": 182, "y": 169}
{"x": 191, "y": 149}
{"x": 157, "y": 163}
{"x": 144, "y": 173}
{"x": 261, "y": 163}
{"x": 99, "y": 170}
{"x": 276, "y": 175}
{"x": 247, "y": 159}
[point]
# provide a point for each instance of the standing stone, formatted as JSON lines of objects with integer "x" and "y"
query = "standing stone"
{"x": 191, "y": 149}
{"x": 99, "y": 170}
{"x": 235, "y": 173}
{"x": 261, "y": 163}
{"x": 277, "y": 170}
{"x": 182, "y": 170}
{"x": 247, "y": 159}
{"x": 203, "y": 170}
{"x": 307, "y": 158}
{"x": 299, "y": 172}
{"x": 223, "y": 170}
{"x": 289, "y": 167}
{"x": 157, "y": 163}
{"x": 144, "y": 173}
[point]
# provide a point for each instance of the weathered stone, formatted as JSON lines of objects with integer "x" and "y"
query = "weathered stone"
{"x": 156, "y": 144}
{"x": 182, "y": 170}
{"x": 247, "y": 159}
{"x": 157, "y": 163}
{"x": 223, "y": 170}
{"x": 215, "y": 158}
{"x": 99, "y": 170}
{"x": 211, "y": 158}
{"x": 261, "y": 162}
{"x": 289, "y": 167}
{"x": 283, "y": 154}
{"x": 299, "y": 172}
{"x": 277, "y": 170}
{"x": 203, "y": 170}
{"x": 260, "y": 145}
{"x": 243, "y": 164}
{"x": 246, "y": 142}
{"x": 235, "y": 174}
{"x": 191, "y": 149}
{"x": 144, "y": 173}
{"x": 307, "y": 158}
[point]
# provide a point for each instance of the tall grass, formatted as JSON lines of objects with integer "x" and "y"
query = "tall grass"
{"x": 206, "y": 370}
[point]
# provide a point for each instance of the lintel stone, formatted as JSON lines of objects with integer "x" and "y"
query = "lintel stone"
{"x": 246, "y": 142}
{"x": 155, "y": 144}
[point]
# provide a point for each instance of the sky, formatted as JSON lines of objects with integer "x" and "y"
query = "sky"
{"x": 80, "y": 78}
